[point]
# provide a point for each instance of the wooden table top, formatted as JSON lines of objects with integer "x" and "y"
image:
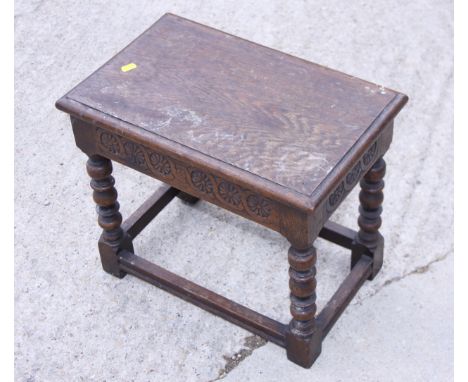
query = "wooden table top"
{"x": 244, "y": 107}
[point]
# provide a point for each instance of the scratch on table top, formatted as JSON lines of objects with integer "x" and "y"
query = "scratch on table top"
{"x": 373, "y": 90}
{"x": 171, "y": 115}
{"x": 181, "y": 114}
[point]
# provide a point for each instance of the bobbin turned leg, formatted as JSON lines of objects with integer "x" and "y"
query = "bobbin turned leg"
{"x": 303, "y": 337}
{"x": 113, "y": 238}
{"x": 371, "y": 198}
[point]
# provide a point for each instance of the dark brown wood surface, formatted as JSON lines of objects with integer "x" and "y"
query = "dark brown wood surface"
{"x": 258, "y": 110}
{"x": 276, "y": 139}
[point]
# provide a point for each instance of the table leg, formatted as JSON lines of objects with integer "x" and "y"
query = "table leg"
{"x": 369, "y": 221}
{"x": 303, "y": 337}
{"x": 187, "y": 198}
{"x": 113, "y": 238}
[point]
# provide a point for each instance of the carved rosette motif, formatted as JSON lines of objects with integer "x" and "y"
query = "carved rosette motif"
{"x": 229, "y": 193}
{"x": 352, "y": 178}
{"x": 134, "y": 153}
{"x": 337, "y": 195}
{"x": 212, "y": 186}
{"x": 201, "y": 181}
{"x": 110, "y": 142}
{"x": 259, "y": 205}
{"x": 160, "y": 163}
{"x": 370, "y": 155}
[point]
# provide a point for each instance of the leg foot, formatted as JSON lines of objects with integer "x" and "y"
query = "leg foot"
{"x": 187, "y": 199}
{"x": 109, "y": 255}
{"x": 303, "y": 351}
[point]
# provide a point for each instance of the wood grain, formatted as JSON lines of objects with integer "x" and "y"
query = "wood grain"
{"x": 276, "y": 116}
{"x": 273, "y": 138}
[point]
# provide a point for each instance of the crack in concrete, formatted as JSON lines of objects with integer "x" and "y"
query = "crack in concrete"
{"x": 417, "y": 271}
{"x": 251, "y": 343}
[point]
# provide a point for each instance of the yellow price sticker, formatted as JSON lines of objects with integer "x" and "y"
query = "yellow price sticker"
{"x": 128, "y": 67}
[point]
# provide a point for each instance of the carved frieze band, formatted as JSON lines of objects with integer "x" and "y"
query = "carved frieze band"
{"x": 167, "y": 168}
{"x": 352, "y": 177}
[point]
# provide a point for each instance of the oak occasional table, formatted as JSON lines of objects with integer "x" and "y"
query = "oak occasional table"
{"x": 271, "y": 137}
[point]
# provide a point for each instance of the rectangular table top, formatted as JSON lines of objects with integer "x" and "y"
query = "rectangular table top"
{"x": 248, "y": 107}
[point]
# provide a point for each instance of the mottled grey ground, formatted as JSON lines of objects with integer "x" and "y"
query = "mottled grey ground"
{"x": 76, "y": 323}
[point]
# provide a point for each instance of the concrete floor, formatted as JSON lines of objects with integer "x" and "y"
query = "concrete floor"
{"x": 76, "y": 323}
